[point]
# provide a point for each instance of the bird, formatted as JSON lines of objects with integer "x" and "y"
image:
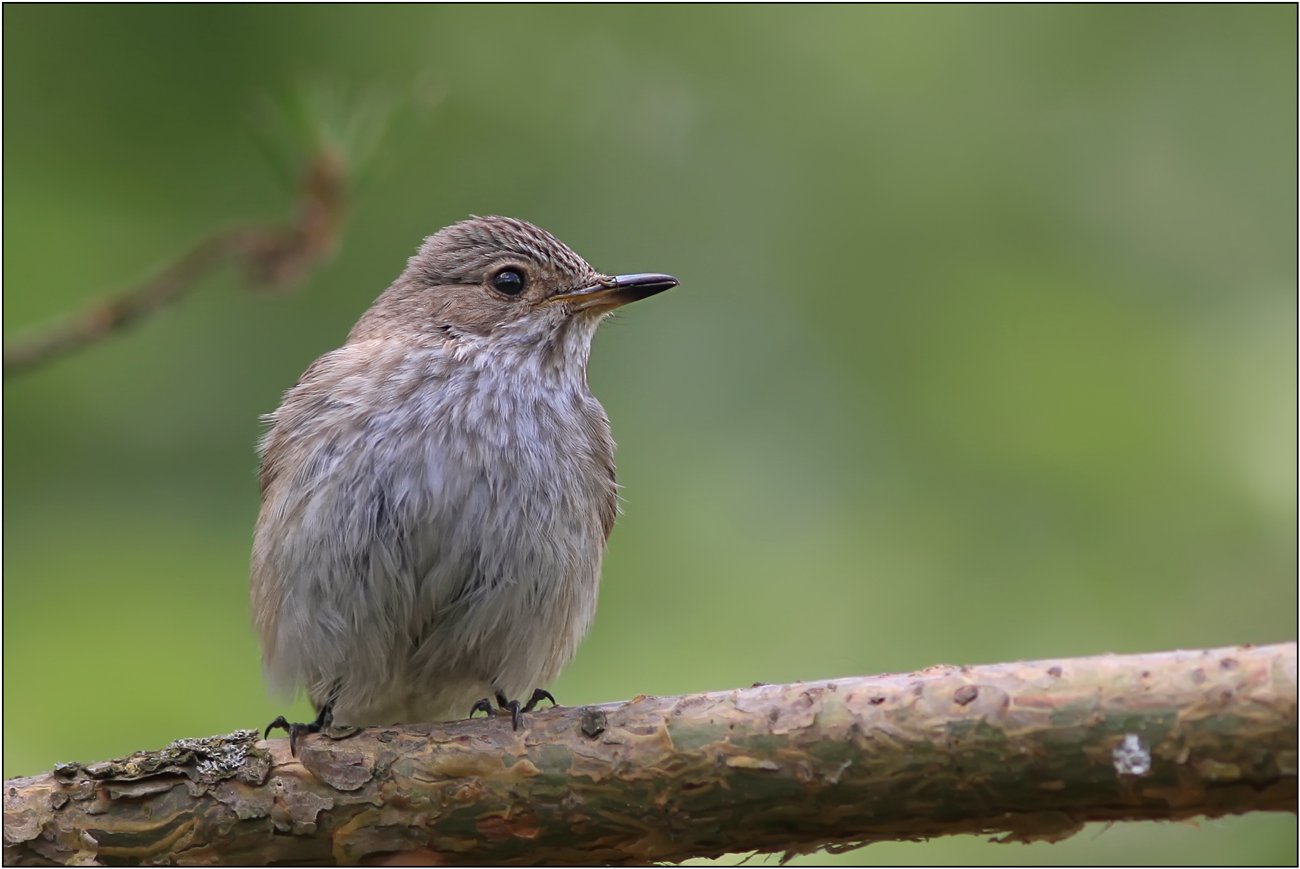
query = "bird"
{"x": 437, "y": 493}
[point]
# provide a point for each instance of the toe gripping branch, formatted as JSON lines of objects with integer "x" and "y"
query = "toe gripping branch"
{"x": 324, "y": 720}
{"x": 516, "y": 710}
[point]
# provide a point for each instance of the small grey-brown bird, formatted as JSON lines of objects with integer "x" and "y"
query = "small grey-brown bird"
{"x": 437, "y": 492}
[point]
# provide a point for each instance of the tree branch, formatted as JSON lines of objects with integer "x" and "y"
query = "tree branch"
{"x": 1032, "y": 750}
{"x": 273, "y": 256}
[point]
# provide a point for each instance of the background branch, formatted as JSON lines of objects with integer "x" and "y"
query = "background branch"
{"x": 274, "y": 256}
{"x": 1032, "y": 750}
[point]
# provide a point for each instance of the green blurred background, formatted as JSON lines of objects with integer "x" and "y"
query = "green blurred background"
{"x": 984, "y": 349}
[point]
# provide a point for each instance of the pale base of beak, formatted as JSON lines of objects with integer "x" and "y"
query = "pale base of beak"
{"x": 613, "y": 292}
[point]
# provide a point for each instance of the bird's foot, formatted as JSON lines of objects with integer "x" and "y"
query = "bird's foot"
{"x": 515, "y": 708}
{"x": 324, "y": 725}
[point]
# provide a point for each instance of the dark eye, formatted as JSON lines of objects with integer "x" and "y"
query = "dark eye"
{"x": 508, "y": 281}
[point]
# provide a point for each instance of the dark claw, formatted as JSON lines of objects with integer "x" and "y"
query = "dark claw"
{"x": 324, "y": 718}
{"x": 516, "y": 709}
{"x": 513, "y": 706}
{"x": 294, "y": 729}
{"x": 280, "y": 721}
{"x": 539, "y": 695}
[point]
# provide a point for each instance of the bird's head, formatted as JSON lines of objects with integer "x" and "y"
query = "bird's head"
{"x": 498, "y": 276}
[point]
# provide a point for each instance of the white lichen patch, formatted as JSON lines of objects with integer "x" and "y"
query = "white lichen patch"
{"x": 1131, "y": 756}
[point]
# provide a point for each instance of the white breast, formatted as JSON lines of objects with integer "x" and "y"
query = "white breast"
{"x": 446, "y": 547}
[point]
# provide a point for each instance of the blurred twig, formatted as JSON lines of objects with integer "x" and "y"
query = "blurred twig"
{"x": 1032, "y": 750}
{"x": 274, "y": 256}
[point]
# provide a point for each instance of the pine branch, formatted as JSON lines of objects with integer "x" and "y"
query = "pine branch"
{"x": 1032, "y": 750}
{"x": 273, "y": 256}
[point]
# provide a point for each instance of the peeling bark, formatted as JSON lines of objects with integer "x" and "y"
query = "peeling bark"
{"x": 1030, "y": 750}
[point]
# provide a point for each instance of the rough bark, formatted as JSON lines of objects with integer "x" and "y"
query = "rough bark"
{"x": 1032, "y": 750}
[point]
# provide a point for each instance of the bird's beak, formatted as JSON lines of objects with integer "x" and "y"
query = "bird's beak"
{"x": 611, "y": 292}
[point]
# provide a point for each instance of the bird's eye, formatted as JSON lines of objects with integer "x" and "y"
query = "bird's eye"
{"x": 508, "y": 281}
